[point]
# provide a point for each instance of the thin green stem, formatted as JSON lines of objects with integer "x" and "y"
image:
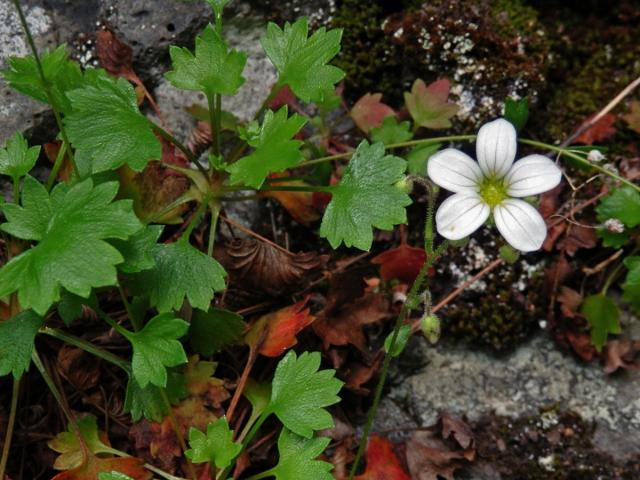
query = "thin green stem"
{"x": 45, "y": 83}
{"x": 178, "y": 431}
{"x": 215, "y": 111}
{"x": 179, "y": 145}
{"x": 127, "y": 306}
{"x": 162, "y": 473}
{"x": 213, "y": 227}
{"x": 56, "y": 165}
{"x": 195, "y": 220}
{"x": 569, "y": 154}
{"x": 406, "y": 308}
{"x": 118, "y": 328}
{"x": 281, "y": 188}
{"x": 6, "y": 448}
{"x": 176, "y": 203}
{"x": 87, "y": 347}
{"x": 612, "y": 276}
{"x": 254, "y": 429}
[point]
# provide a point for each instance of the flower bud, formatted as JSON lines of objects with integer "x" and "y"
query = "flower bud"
{"x": 430, "y": 325}
{"x": 614, "y": 225}
{"x": 405, "y": 185}
{"x": 509, "y": 254}
{"x": 595, "y": 156}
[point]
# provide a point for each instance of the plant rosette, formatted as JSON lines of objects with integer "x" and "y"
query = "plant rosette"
{"x": 494, "y": 185}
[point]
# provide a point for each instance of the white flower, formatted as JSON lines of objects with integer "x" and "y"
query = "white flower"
{"x": 493, "y": 185}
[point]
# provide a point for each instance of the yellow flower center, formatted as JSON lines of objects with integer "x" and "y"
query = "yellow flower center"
{"x": 493, "y": 191}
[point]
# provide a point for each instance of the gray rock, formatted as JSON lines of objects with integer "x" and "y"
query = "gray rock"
{"x": 535, "y": 376}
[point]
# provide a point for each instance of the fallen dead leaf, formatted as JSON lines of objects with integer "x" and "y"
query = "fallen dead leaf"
{"x": 577, "y": 238}
{"x": 78, "y": 368}
{"x": 570, "y": 301}
{"x": 633, "y": 117}
{"x": 402, "y": 263}
{"x": 382, "y": 462}
{"x": 300, "y": 205}
{"x": 622, "y": 354}
{"x": 357, "y": 374}
{"x": 369, "y": 111}
{"x": 602, "y": 130}
{"x": 93, "y": 465}
{"x": 581, "y": 345}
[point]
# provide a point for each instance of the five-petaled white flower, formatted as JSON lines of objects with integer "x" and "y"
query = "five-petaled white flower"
{"x": 493, "y": 185}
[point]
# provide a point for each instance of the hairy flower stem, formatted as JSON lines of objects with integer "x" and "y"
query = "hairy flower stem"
{"x": 6, "y": 447}
{"x": 45, "y": 83}
{"x": 213, "y": 227}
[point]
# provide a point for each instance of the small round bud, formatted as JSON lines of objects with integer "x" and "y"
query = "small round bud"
{"x": 614, "y": 225}
{"x": 509, "y": 254}
{"x": 430, "y": 325}
{"x": 595, "y": 156}
{"x": 405, "y": 185}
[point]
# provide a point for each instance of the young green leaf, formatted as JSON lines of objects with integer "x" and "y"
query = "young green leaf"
{"x": 624, "y": 204}
{"x": 68, "y": 445}
{"x": 391, "y": 131}
{"x": 429, "y": 106}
{"x": 401, "y": 341}
{"x": 218, "y": 6}
{"x": 298, "y": 458}
{"x": 70, "y": 306}
{"x": 302, "y": 62}
{"x": 418, "y": 157}
{"x": 259, "y": 395}
{"x": 156, "y": 347}
{"x": 300, "y": 392}
{"x": 602, "y": 314}
{"x": 137, "y": 250}
{"x": 275, "y": 150}
{"x": 613, "y": 239}
{"x": 62, "y": 75}
{"x": 17, "y": 159}
{"x": 16, "y": 342}
{"x": 631, "y": 285}
{"x": 71, "y": 225}
{"x": 107, "y": 129}
{"x": 517, "y": 112}
{"x": 181, "y": 271}
{"x": 113, "y": 476}
{"x": 214, "y": 69}
{"x": 216, "y": 446}
{"x": 148, "y": 402}
{"x": 211, "y": 331}
{"x": 365, "y": 198}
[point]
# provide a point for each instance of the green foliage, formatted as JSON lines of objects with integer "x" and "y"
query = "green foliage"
{"x": 631, "y": 285}
{"x": 216, "y": 446}
{"x": 17, "y": 159}
{"x": 613, "y": 239}
{"x": 391, "y": 131}
{"x": 602, "y": 314}
{"x": 418, "y": 157}
{"x": 366, "y": 197}
{"x": 69, "y": 446}
{"x": 401, "y": 341}
{"x": 107, "y": 129}
{"x": 71, "y": 226}
{"x": 214, "y": 69}
{"x": 300, "y": 392}
{"x": 70, "y": 306}
{"x": 211, "y": 331}
{"x": 62, "y": 75}
{"x": 156, "y": 347}
{"x": 16, "y": 342}
{"x": 624, "y": 204}
{"x": 113, "y": 476}
{"x": 275, "y": 149}
{"x": 517, "y": 112}
{"x": 298, "y": 458}
{"x": 429, "y": 106}
{"x": 301, "y": 61}
{"x": 149, "y": 402}
{"x": 137, "y": 250}
{"x": 180, "y": 271}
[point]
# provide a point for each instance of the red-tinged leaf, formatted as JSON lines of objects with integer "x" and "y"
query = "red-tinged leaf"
{"x": 276, "y": 332}
{"x": 633, "y": 117}
{"x": 369, "y": 111}
{"x": 581, "y": 345}
{"x": 600, "y": 131}
{"x": 569, "y": 301}
{"x": 299, "y": 204}
{"x": 402, "y": 263}
{"x": 429, "y": 106}
{"x": 284, "y": 97}
{"x": 116, "y": 57}
{"x": 89, "y": 470}
{"x": 382, "y": 462}
{"x": 623, "y": 354}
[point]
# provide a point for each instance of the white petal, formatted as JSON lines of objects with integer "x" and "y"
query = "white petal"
{"x": 496, "y": 147}
{"x": 532, "y": 175}
{"x": 454, "y": 170}
{"x": 520, "y": 224}
{"x": 460, "y": 215}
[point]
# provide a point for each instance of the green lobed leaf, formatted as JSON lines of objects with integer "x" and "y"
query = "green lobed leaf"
{"x": 215, "y": 447}
{"x": 429, "y": 106}
{"x": 137, "y": 250}
{"x": 71, "y": 226}
{"x": 418, "y": 157}
{"x": 210, "y": 332}
{"x": 366, "y": 197}
{"x": 259, "y": 395}
{"x": 298, "y": 458}
{"x": 612, "y": 239}
{"x": 218, "y": 6}
{"x": 275, "y": 150}
{"x": 517, "y": 112}
{"x": 17, "y": 336}
{"x": 301, "y": 61}
{"x": 62, "y": 74}
{"x": 631, "y": 285}
{"x": 624, "y": 204}
{"x": 401, "y": 341}
{"x": 17, "y": 159}
{"x": 214, "y": 69}
{"x": 391, "y": 131}
{"x": 107, "y": 129}
{"x": 300, "y": 392}
{"x": 148, "y": 402}
{"x": 68, "y": 445}
{"x": 180, "y": 271}
{"x": 602, "y": 314}
{"x": 157, "y": 347}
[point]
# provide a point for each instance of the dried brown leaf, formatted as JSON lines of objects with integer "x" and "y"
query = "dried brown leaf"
{"x": 78, "y": 368}
{"x": 624, "y": 354}
{"x": 570, "y": 301}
